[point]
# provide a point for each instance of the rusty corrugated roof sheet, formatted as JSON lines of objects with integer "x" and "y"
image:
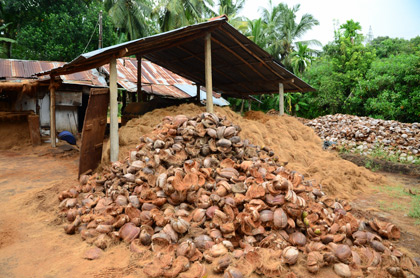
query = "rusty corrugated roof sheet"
{"x": 155, "y": 79}
{"x": 12, "y": 69}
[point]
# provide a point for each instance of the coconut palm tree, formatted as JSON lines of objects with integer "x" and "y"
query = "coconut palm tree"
{"x": 5, "y": 43}
{"x": 301, "y": 58}
{"x": 231, "y": 8}
{"x": 284, "y": 30}
{"x": 256, "y": 32}
{"x": 172, "y": 14}
{"x": 131, "y": 17}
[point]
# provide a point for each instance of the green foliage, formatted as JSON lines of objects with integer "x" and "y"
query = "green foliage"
{"x": 415, "y": 206}
{"x": 281, "y": 30}
{"x": 61, "y": 31}
{"x": 381, "y": 79}
{"x": 370, "y": 164}
{"x": 302, "y": 58}
{"x": 387, "y": 47}
{"x": 131, "y": 17}
{"x": 350, "y": 29}
{"x": 391, "y": 89}
{"x": 172, "y": 14}
{"x": 338, "y": 72}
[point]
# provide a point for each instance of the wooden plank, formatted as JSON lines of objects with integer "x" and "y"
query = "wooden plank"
{"x": 259, "y": 59}
{"x": 33, "y": 123}
{"x": 196, "y": 77}
{"x": 68, "y": 98}
{"x": 52, "y": 111}
{"x": 253, "y": 55}
{"x": 239, "y": 57}
{"x": 114, "y": 149}
{"x": 281, "y": 98}
{"x": 198, "y": 96}
{"x": 208, "y": 73}
{"x": 93, "y": 130}
{"x": 140, "y": 95}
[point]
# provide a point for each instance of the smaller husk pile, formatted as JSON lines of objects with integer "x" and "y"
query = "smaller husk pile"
{"x": 195, "y": 192}
{"x": 364, "y": 134}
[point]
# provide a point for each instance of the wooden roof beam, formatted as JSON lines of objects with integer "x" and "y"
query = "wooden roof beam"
{"x": 253, "y": 55}
{"x": 216, "y": 70}
{"x": 237, "y": 65}
{"x": 239, "y": 57}
{"x": 262, "y": 82}
{"x": 259, "y": 59}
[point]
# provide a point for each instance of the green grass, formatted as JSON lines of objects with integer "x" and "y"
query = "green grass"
{"x": 385, "y": 206}
{"x": 399, "y": 191}
{"x": 379, "y": 152}
{"x": 369, "y": 164}
{"x": 415, "y": 206}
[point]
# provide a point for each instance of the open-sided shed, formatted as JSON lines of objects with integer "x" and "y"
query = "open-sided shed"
{"x": 212, "y": 53}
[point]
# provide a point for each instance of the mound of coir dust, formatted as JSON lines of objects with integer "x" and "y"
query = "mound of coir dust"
{"x": 14, "y": 135}
{"x": 291, "y": 141}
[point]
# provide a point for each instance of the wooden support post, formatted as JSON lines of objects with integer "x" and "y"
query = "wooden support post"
{"x": 133, "y": 97}
{"x": 52, "y": 111}
{"x": 209, "y": 81}
{"x": 198, "y": 96}
{"x": 124, "y": 101}
{"x": 33, "y": 123}
{"x": 249, "y": 105}
{"x": 113, "y": 103}
{"x": 140, "y": 95}
{"x": 281, "y": 99}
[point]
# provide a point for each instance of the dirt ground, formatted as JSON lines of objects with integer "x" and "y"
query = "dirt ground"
{"x": 33, "y": 243}
{"x": 392, "y": 202}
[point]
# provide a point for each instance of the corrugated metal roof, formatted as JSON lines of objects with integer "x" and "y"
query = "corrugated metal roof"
{"x": 240, "y": 67}
{"x": 12, "y": 69}
{"x": 192, "y": 91}
{"x": 165, "y": 90}
{"x": 150, "y": 74}
{"x": 157, "y": 80}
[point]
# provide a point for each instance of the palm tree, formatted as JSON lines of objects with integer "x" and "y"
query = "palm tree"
{"x": 231, "y": 8}
{"x": 256, "y": 32}
{"x": 172, "y": 14}
{"x": 301, "y": 58}
{"x": 5, "y": 39}
{"x": 350, "y": 30}
{"x": 131, "y": 17}
{"x": 8, "y": 23}
{"x": 284, "y": 29}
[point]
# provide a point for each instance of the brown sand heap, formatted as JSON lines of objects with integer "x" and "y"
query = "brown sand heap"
{"x": 193, "y": 191}
{"x": 14, "y": 134}
{"x": 364, "y": 134}
{"x": 287, "y": 137}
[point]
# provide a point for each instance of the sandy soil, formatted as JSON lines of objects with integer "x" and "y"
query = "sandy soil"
{"x": 33, "y": 243}
{"x": 392, "y": 203}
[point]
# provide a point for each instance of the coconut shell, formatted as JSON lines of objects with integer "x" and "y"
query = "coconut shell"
{"x": 129, "y": 232}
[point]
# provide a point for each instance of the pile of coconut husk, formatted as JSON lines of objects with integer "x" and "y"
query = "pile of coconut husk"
{"x": 364, "y": 135}
{"x": 197, "y": 199}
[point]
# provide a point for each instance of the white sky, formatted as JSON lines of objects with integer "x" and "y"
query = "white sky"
{"x": 393, "y": 18}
